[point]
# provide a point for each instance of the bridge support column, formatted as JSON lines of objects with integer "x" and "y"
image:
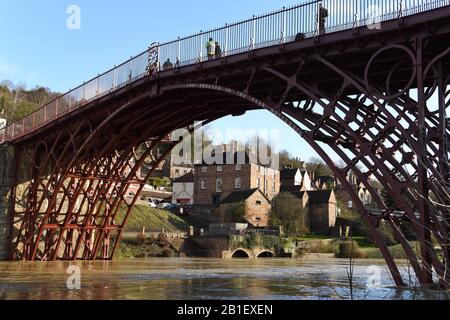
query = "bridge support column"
{"x": 6, "y": 182}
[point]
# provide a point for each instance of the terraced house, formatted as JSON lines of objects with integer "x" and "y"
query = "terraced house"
{"x": 213, "y": 183}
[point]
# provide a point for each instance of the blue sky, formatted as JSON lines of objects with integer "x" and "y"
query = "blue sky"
{"x": 36, "y": 48}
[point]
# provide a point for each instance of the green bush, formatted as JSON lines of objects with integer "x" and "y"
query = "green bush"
{"x": 349, "y": 249}
{"x": 235, "y": 214}
{"x": 321, "y": 247}
{"x": 289, "y": 214}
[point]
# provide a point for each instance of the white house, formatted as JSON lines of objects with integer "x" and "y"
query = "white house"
{"x": 183, "y": 189}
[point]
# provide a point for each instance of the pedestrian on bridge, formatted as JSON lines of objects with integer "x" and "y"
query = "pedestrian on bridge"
{"x": 322, "y": 18}
{"x": 218, "y": 51}
{"x": 211, "y": 48}
{"x": 167, "y": 65}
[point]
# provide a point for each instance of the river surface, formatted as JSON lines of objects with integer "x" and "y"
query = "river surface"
{"x": 192, "y": 279}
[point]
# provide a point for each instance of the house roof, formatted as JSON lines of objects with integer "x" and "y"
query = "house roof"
{"x": 319, "y": 196}
{"x": 188, "y": 177}
{"x": 288, "y": 173}
{"x": 289, "y": 188}
{"x": 298, "y": 194}
{"x": 240, "y": 196}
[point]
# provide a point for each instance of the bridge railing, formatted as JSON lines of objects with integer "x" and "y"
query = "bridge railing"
{"x": 262, "y": 31}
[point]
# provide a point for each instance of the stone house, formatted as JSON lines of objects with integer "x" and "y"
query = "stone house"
{"x": 213, "y": 183}
{"x": 183, "y": 189}
{"x": 257, "y": 206}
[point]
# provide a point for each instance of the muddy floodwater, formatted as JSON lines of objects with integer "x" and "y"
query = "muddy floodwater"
{"x": 192, "y": 279}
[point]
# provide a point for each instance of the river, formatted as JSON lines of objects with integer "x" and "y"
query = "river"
{"x": 192, "y": 279}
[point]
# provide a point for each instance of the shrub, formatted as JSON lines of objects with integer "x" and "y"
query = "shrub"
{"x": 288, "y": 213}
{"x": 349, "y": 249}
{"x": 321, "y": 247}
{"x": 140, "y": 238}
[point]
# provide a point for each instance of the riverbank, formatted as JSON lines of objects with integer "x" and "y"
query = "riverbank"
{"x": 361, "y": 248}
{"x": 154, "y": 221}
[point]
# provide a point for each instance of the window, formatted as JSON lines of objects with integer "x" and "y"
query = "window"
{"x": 258, "y": 219}
{"x": 238, "y": 167}
{"x": 266, "y": 184}
{"x": 258, "y": 202}
{"x": 183, "y": 187}
{"x": 219, "y": 168}
{"x": 219, "y": 185}
{"x": 259, "y": 182}
{"x": 350, "y": 204}
{"x": 204, "y": 169}
{"x": 237, "y": 183}
{"x": 273, "y": 187}
{"x": 203, "y": 184}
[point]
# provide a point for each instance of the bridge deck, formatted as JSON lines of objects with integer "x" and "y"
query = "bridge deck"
{"x": 256, "y": 37}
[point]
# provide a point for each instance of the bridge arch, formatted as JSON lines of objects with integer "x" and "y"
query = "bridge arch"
{"x": 266, "y": 254}
{"x": 240, "y": 253}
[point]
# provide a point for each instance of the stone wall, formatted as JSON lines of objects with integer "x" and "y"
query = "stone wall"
{"x": 6, "y": 180}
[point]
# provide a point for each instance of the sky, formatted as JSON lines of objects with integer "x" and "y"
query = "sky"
{"x": 37, "y": 48}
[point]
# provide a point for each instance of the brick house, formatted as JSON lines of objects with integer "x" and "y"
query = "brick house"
{"x": 213, "y": 183}
{"x": 257, "y": 206}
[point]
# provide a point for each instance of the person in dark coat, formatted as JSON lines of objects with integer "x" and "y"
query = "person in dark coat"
{"x": 323, "y": 15}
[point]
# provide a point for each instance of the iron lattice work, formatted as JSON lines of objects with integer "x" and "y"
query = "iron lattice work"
{"x": 379, "y": 102}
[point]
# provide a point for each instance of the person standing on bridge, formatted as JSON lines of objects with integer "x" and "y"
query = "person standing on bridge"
{"x": 322, "y": 18}
{"x": 218, "y": 51}
{"x": 211, "y": 48}
{"x": 167, "y": 65}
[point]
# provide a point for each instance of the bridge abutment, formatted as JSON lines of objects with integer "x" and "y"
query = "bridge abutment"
{"x": 7, "y": 156}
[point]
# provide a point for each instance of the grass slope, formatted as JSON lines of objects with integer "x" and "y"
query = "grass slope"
{"x": 152, "y": 218}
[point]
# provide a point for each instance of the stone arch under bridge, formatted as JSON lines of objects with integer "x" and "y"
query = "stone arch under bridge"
{"x": 350, "y": 94}
{"x": 250, "y": 253}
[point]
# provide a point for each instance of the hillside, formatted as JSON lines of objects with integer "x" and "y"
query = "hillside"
{"x": 152, "y": 218}
{"x": 16, "y": 101}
